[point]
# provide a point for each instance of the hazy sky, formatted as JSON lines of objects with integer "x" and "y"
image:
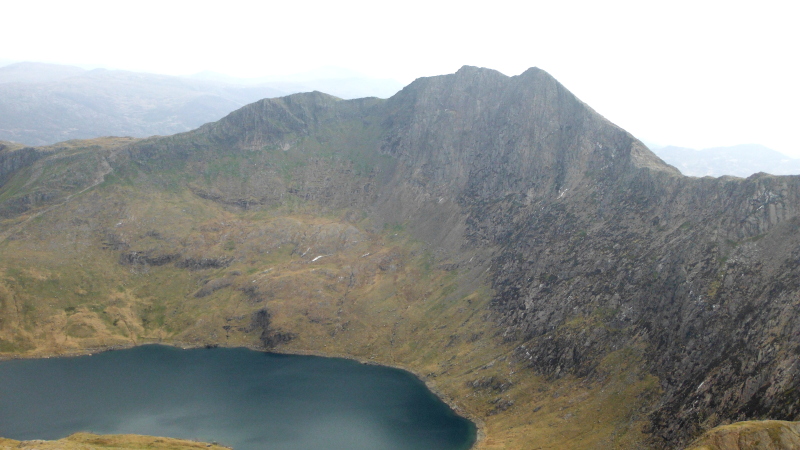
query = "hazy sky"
{"x": 691, "y": 73}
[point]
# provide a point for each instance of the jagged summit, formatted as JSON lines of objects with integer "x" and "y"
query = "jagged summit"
{"x": 473, "y": 115}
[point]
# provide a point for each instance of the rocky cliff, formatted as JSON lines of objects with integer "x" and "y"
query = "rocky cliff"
{"x": 591, "y": 250}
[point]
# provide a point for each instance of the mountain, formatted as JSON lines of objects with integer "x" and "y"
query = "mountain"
{"x": 739, "y": 160}
{"x": 537, "y": 265}
{"x": 41, "y": 104}
{"x": 33, "y": 72}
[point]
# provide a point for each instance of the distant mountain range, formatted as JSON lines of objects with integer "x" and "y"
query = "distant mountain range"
{"x": 738, "y": 160}
{"x": 41, "y": 104}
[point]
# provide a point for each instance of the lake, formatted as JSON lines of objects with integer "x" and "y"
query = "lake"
{"x": 234, "y": 396}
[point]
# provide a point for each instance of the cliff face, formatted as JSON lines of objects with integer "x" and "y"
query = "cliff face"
{"x": 591, "y": 244}
{"x": 593, "y": 229}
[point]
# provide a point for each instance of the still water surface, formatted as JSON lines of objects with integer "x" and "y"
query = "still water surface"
{"x": 237, "y": 397}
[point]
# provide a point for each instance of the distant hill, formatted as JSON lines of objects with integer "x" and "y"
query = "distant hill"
{"x": 33, "y": 72}
{"x": 738, "y": 160}
{"x": 41, "y": 104}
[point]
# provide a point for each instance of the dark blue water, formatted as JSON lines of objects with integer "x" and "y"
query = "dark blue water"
{"x": 237, "y": 397}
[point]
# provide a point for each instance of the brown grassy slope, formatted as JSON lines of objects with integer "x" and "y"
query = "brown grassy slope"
{"x": 88, "y": 441}
{"x": 68, "y": 284}
{"x": 751, "y": 435}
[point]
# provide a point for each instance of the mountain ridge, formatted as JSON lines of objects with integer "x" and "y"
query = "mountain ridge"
{"x": 575, "y": 255}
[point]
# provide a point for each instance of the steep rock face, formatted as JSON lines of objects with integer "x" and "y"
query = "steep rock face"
{"x": 709, "y": 295}
{"x": 592, "y": 227}
{"x": 487, "y": 134}
{"x": 487, "y": 141}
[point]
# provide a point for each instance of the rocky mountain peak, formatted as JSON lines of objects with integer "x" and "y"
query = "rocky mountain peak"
{"x": 455, "y": 126}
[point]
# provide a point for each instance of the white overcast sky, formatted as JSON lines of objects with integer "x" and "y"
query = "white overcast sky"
{"x": 690, "y": 73}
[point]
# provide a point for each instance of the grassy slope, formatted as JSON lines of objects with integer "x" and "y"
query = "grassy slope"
{"x": 374, "y": 295}
{"x": 751, "y": 435}
{"x": 86, "y": 441}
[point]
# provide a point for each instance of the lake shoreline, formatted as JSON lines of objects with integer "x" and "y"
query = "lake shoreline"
{"x": 479, "y": 424}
